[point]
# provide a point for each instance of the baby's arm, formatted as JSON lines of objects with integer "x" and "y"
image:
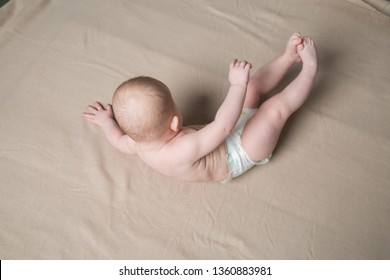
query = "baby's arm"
{"x": 204, "y": 141}
{"x": 104, "y": 118}
{"x": 230, "y": 110}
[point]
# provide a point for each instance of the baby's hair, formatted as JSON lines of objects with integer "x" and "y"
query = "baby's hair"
{"x": 143, "y": 108}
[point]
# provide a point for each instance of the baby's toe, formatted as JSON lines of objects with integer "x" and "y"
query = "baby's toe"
{"x": 300, "y": 47}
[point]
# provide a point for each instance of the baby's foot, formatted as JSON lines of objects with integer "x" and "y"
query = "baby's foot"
{"x": 291, "y": 52}
{"x": 307, "y": 52}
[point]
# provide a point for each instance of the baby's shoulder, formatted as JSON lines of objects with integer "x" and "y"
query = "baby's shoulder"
{"x": 181, "y": 147}
{"x": 191, "y": 128}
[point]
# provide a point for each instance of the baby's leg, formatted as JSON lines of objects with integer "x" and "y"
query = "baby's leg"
{"x": 262, "y": 131}
{"x": 269, "y": 75}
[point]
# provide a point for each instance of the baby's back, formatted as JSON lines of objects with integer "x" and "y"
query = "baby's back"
{"x": 168, "y": 160}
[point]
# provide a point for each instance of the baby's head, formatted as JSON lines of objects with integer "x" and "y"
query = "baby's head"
{"x": 144, "y": 109}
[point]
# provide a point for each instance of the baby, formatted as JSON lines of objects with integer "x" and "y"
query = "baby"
{"x": 144, "y": 119}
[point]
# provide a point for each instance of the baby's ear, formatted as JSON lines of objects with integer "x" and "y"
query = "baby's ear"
{"x": 174, "y": 124}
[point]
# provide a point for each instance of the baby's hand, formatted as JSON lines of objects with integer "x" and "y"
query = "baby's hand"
{"x": 98, "y": 114}
{"x": 239, "y": 72}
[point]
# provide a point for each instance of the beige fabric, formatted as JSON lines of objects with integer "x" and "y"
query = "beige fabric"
{"x": 67, "y": 194}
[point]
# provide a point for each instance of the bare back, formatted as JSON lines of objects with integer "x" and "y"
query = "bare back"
{"x": 169, "y": 160}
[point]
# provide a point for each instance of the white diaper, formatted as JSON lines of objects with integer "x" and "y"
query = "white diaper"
{"x": 238, "y": 160}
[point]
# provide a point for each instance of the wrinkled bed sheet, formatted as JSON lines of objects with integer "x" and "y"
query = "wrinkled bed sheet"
{"x": 65, "y": 193}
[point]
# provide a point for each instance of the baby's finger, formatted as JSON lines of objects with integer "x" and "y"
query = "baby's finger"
{"x": 89, "y": 117}
{"x": 98, "y": 106}
{"x": 243, "y": 63}
{"x": 86, "y": 114}
{"x": 92, "y": 108}
{"x": 233, "y": 63}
